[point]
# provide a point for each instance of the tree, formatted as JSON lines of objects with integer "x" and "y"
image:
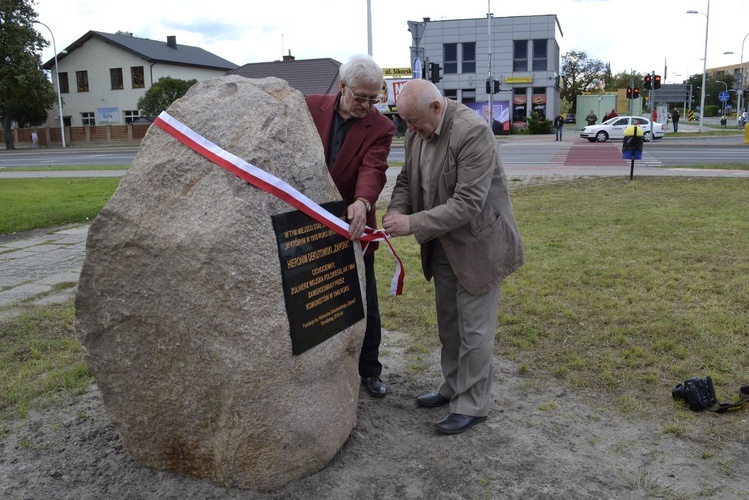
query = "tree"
{"x": 162, "y": 94}
{"x": 578, "y": 74}
{"x": 26, "y": 94}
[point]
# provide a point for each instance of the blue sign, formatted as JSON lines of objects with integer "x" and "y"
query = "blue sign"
{"x": 416, "y": 68}
{"x": 723, "y": 96}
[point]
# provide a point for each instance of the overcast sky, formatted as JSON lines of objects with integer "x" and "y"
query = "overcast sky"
{"x": 629, "y": 34}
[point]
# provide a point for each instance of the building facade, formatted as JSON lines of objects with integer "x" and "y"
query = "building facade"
{"x": 102, "y": 76}
{"x": 521, "y": 53}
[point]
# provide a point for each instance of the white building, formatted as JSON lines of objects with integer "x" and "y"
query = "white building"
{"x": 525, "y": 60}
{"x": 103, "y": 75}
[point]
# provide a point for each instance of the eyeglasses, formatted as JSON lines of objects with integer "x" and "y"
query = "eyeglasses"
{"x": 362, "y": 99}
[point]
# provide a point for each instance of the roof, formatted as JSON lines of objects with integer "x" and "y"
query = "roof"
{"x": 168, "y": 51}
{"x": 308, "y": 76}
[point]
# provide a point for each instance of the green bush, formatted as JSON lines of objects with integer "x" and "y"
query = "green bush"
{"x": 540, "y": 127}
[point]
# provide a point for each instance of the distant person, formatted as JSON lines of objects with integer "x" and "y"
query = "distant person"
{"x": 723, "y": 120}
{"x": 605, "y": 117}
{"x": 397, "y": 123}
{"x": 591, "y": 118}
{"x": 558, "y": 125}
{"x": 675, "y": 119}
{"x": 34, "y": 139}
{"x": 613, "y": 114}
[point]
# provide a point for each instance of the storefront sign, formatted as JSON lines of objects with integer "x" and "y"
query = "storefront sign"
{"x": 519, "y": 79}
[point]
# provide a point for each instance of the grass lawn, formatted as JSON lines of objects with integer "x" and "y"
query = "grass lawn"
{"x": 629, "y": 288}
{"x": 44, "y": 202}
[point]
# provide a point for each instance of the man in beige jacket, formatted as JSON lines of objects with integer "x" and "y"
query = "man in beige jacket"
{"x": 452, "y": 196}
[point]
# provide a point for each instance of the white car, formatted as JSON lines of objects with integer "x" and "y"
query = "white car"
{"x": 613, "y": 128}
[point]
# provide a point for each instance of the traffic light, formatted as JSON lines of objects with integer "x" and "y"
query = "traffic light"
{"x": 657, "y": 82}
{"x": 434, "y": 72}
{"x": 648, "y": 81}
{"x": 635, "y": 93}
{"x": 629, "y": 92}
{"x": 492, "y": 86}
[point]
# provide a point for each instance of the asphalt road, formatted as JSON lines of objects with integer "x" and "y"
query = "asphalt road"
{"x": 521, "y": 155}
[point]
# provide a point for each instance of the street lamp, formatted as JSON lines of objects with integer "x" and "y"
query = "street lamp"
{"x": 741, "y": 74}
{"x": 57, "y": 74}
{"x": 704, "y": 61}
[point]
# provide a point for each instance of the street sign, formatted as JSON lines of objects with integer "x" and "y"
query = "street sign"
{"x": 723, "y": 96}
{"x": 416, "y": 65}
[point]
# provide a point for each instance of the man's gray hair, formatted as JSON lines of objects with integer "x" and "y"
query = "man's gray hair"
{"x": 361, "y": 70}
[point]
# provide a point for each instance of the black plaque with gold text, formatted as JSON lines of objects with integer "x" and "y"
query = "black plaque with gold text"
{"x": 320, "y": 280}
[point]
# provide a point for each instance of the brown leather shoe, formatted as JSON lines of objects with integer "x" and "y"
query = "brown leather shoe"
{"x": 432, "y": 400}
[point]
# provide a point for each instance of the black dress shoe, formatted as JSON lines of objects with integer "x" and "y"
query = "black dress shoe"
{"x": 455, "y": 423}
{"x": 432, "y": 400}
{"x": 375, "y": 386}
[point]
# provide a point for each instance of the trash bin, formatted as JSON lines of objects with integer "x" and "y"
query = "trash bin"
{"x": 634, "y": 141}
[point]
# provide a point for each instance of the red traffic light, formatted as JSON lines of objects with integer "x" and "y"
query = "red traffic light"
{"x": 648, "y": 81}
{"x": 629, "y": 92}
{"x": 636, "y": 93}
{"x": 657, "y": 83}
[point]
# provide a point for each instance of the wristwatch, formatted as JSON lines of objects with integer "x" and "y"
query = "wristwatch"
{"x": 367, "y": 204}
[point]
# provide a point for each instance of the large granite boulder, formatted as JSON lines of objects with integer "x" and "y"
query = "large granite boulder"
{"x": 180, "y": 303}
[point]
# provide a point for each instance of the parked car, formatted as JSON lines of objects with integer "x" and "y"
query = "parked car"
{"x": 570, "y": 118}
{"x": 614, "y": 129}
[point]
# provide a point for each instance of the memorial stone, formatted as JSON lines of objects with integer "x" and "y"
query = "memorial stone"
{"x": 180, "y": 305}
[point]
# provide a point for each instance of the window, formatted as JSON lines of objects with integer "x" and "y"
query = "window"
{"x": 81, "y": 78}
{"x": 468, "y": 95}
{"x": 519, "y": 105}
{"x": 539, "y": 102}
{"x": 131, "y": 116}
{"x": 450, "y": 56}
{"x": 520, "y": 56}
{"x": 64, "y": 88}
{"x": 88, "y": 119}
{"x": 115, "y": 76}
{"x": 136, "y": 72}
{"x": 469, "y": 57}
{"x": 451, "y": 93}
{"x": 539, "y": 55}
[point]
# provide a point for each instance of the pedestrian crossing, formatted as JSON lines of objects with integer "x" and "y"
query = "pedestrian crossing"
{"x": 553, "y": 153}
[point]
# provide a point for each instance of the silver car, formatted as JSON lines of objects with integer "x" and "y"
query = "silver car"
{"x": 613, "y": 128}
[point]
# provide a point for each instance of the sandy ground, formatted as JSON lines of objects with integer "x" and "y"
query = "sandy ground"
{"x": 541, "y": 442}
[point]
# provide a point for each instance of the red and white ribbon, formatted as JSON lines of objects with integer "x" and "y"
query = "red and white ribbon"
{"x": 275, "y": 186}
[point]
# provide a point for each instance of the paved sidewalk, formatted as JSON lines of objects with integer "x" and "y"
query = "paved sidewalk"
{"x": 40, "y": 267}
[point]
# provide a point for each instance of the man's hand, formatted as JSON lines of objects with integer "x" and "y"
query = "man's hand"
{"x": 356, "y": 213}
{"x": 396, "y": 224}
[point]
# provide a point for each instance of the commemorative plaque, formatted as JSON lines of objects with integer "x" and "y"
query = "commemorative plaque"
{"x": 319, "y": 275}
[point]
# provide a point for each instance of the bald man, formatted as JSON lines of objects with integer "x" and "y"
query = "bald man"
{"x": 452, "y": 196}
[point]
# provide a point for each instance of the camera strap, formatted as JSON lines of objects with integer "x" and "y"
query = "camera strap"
{"x": 743, "y": 399}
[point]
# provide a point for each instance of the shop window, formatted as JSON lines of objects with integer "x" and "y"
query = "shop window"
{"x": 539, "y": 102}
